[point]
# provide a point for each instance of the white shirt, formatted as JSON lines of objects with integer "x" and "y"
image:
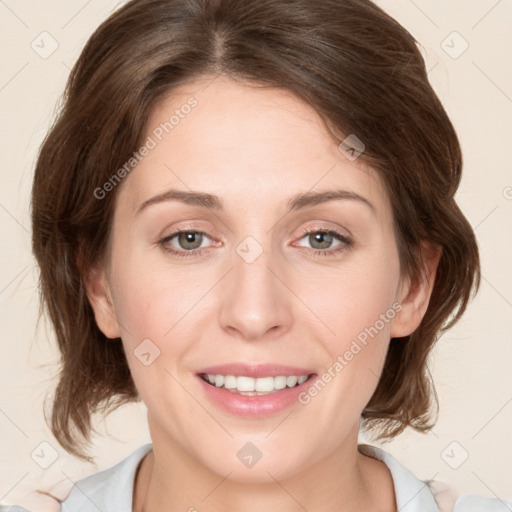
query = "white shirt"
{"x": 111, "y": 490}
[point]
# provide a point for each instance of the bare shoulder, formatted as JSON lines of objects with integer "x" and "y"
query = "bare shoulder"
{"x": 450, "y": 499}
{"x": 41, "y": 500}
{"x": 445, "y": 494}
{"x": 44, "y": 503}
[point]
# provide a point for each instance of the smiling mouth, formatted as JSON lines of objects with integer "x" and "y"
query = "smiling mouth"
{"x": 254, "y": 386}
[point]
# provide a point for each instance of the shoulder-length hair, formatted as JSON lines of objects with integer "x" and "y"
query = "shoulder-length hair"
{"x": 359, "y": 69}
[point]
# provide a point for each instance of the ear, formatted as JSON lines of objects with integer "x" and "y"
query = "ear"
{"x": 414, "y": 295}
{"x": 100, "y": 298}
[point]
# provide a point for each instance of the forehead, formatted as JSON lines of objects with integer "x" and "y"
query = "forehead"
{"x": 246, "y": 143}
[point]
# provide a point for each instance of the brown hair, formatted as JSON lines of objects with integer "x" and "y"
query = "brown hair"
{"x": 360, "y": 70}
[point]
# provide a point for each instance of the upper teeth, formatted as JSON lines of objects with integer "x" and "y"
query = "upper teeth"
{"x": 260, "y": 384}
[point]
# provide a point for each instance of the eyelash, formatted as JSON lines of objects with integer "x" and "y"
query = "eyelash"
{"x": 346, "y": 242}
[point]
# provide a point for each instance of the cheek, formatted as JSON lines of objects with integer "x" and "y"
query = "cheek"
{"x": 150, "y": 298}
{"x": 152, "y": 308}
{"x": 359, "y": 307}
{"x": 157, "y": 306}
{"x": 358, "y": 298}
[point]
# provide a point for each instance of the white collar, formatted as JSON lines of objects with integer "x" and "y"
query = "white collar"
{"x": 100, "y": 491}
{"x": 412, "y": 494}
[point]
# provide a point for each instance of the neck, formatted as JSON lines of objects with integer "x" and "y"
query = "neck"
{"x": 169, "y": 480}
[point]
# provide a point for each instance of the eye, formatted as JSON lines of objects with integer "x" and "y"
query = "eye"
{"x": 321, "y": 241}
{"x": 189, "y": 242}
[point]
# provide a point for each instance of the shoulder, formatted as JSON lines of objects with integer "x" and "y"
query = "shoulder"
{"x": 13, "y": 508}
{"x": 110, "y": 489}
{"x": 35, "y": 503}
{"x": 415, "y": 495}
{"x": 470, "y": 503}
{"x": 449, "y": 499}
{"x": 103, "y": 490}
{"x": 42, "y": 501}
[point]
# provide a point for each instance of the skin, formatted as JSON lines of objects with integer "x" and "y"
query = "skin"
{"x": 255, "y": 148}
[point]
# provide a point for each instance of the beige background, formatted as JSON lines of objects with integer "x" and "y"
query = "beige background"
{"x": 471, "y": 365}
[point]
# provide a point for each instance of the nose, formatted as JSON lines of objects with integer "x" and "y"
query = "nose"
{"x": 256, "y": 303}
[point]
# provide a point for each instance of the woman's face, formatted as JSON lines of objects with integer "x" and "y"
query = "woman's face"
{"x": 245, "y": 291}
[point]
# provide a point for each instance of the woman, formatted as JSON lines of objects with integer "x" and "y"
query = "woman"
{"x": 299, "y": 149}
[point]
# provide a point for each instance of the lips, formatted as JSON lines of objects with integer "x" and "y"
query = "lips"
{"x": 254, "y": 389}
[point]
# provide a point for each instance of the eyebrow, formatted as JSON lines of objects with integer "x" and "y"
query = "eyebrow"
{"x": 296, "y": 202}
